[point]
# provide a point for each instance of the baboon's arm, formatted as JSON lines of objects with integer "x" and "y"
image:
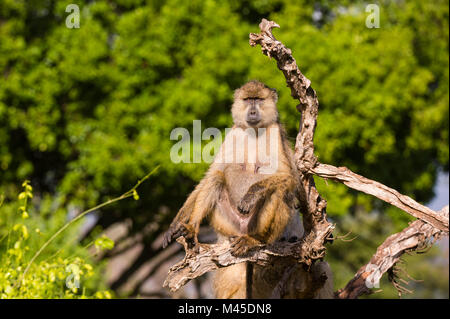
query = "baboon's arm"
{"x": 279, "y": 190}
{"x": 283, "y": 183}
{"x": 199, "y": 203}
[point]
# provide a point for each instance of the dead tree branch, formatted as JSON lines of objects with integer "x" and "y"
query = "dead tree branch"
{"x": 389, "y": 195}
{"x": 417, "y": 236}
{"x": 204, "y": 258}
{"x": 317, "y": 228}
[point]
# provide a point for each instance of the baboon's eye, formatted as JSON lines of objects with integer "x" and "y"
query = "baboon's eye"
{"x": 253, "y": 99}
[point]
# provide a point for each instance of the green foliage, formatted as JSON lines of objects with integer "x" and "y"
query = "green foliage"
{"x": 63, "y": 272}
{"x": 103, "y": 98}
{"x": 84, "y": 112}
{"x": 104, "y": 242}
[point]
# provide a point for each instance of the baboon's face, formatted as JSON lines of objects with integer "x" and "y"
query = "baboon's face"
{"x": 254, "y": 106}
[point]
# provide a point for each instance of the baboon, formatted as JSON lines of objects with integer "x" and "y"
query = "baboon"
{"x": 250, "y": 191}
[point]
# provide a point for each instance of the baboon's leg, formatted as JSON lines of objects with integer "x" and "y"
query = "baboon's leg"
{"x": 229, "y": 282}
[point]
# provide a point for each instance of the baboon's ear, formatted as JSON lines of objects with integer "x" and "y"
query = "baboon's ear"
{"x": 274, "y": 95}
{"x": 236, "y": 94}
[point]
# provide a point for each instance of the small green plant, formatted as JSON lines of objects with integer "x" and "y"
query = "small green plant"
{"x": 60, "y": 273}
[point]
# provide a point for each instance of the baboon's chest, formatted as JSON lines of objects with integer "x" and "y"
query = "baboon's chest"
{"x": 249, "y": 159}
{"x": 239, "y": 178}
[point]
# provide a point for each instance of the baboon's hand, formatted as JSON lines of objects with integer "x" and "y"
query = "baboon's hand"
{"x": 252, "y": 199}
{"x": 176, "y": 229}
{"x": 241, "y": 246}
{"x": 247, "y": 203}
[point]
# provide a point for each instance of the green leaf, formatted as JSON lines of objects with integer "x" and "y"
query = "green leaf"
{"x": 104, "y": 243}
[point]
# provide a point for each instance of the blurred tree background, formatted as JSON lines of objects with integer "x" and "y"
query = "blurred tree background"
{"x": 84, "y": 113}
